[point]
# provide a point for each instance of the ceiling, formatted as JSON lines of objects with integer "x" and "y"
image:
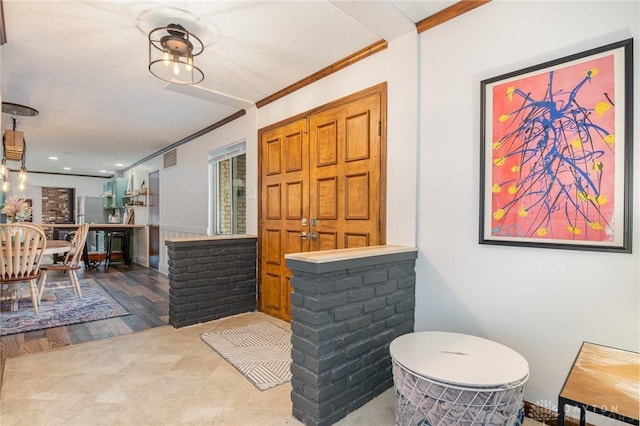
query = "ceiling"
{"x": 84, "y": 66}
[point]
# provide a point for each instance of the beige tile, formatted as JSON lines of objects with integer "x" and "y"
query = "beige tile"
{"x": 35, "y": 412}
{"x": 160, "y": 376}
{"x": 267, "y": 417}
{"x": 122, "y": 389}
{"x": 19, "y": 385}
{"x": 73, "y": 387}
{"x": 223, "y": 393}
{"x": 172, "y": 389}
{"x": 151, "y": 364}
{"x": 126, "y": 414}
{"x": 278, "y": 397}
{"x": 204, "y": 414}
{"x": 195, "y": 366}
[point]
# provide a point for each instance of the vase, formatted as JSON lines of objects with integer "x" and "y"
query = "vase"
{"x": 16, "y": 234}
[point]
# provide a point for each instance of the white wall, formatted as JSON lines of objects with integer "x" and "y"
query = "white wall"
{"x": 541, "y": 302}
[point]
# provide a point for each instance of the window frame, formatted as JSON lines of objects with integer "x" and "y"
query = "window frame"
{"x": 226, "y": 153}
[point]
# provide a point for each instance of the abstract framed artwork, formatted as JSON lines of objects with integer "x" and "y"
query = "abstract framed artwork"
{"x": 556, "y": 153}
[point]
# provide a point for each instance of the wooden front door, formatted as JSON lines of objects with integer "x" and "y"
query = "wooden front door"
{"x": 322, "y": 188}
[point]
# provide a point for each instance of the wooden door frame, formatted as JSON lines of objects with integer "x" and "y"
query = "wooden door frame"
{"x": 379, "y": 89}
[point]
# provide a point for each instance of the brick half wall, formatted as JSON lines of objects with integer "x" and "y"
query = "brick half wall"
{"x": 344, "y": 316}
{"x": 210, "y": 278}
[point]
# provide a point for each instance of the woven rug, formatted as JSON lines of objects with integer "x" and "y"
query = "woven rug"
{"x": 59, "y": 307}
{"x": 261, "y": 352}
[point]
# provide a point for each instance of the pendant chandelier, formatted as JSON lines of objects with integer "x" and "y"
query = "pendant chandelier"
{"x": 172, "y": 50}
{"x": 14, "y": 146}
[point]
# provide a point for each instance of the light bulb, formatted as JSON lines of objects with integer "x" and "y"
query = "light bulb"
{"x": 189, "y": 65}
{"x": 23, "y": 175}
{"x": 165, "y": 58}
{"x": 176, "y": 68}
{"x": 21, "y": 186}
{"x": 5, "y": 186}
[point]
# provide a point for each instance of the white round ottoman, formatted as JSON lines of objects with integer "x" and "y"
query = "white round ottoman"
{"x": 454, "y": 379}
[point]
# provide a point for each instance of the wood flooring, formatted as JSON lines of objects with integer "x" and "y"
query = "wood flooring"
{"x": 141, "y": 291}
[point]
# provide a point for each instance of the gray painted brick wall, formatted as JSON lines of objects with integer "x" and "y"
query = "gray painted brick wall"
{"x": 211, "y": 279}
{"x": 344, "y": 316}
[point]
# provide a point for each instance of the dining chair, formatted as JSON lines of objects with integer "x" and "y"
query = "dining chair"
{"x": 20, "y": 257}
{"x": 71, "y": 263}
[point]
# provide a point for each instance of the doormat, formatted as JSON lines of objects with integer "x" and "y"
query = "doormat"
{"x": 261, "y": 352}
{"x": 59, "y": 307}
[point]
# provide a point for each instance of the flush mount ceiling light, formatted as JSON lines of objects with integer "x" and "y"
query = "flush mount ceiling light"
{"x": 14, "y": 146}
{"x": 171, "y": 55}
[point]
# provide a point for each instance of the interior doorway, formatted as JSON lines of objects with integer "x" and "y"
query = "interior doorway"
{"x": 323, "y": 186}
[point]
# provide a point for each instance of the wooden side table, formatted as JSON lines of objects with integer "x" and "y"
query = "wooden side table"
{"x": 605, "y": 381}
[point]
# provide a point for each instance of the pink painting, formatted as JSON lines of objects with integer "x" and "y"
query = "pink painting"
{"x": 552, "y": 155}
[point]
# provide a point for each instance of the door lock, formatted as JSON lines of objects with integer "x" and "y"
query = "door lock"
{"x": 312, "y": 235}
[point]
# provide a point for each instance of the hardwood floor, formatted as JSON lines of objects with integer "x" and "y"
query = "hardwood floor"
{"x": 141, "y": 291}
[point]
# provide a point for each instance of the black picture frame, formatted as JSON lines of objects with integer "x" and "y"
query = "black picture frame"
{"x": 556, "y": 154}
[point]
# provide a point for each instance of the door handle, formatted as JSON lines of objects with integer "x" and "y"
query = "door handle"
{"x": 312, "y": 235}
{"x": 303, "y": 235}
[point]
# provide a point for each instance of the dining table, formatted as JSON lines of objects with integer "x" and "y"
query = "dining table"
{"x": 56, "y": 247}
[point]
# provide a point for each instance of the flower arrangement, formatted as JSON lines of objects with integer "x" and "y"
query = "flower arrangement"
{"x": 17, "y": 209}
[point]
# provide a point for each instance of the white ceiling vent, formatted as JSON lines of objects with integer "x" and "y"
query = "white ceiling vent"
{"x": 170, "y": 158}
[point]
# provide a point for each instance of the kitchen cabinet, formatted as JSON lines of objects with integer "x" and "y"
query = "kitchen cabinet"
{"x": 113, "y": 194}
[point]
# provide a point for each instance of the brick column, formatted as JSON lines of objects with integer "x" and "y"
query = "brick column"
{"x": 211, "y": 278}
{"x": 345, "y": 313}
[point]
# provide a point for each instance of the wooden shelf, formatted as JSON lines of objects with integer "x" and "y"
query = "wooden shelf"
{"x": 135, "y": 199}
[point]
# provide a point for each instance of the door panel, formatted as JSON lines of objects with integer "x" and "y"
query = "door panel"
{"x": 345, "y": 193}
{"x": 321, "y": 190}
{"x": 356, "y": 196}
{"x": 271, "y": 293}
{"x": 284, "y": 180}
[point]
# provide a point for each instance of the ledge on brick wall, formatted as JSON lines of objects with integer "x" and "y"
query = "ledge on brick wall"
{"x": 199, "y": 241}
{"x": 334, "y": 260}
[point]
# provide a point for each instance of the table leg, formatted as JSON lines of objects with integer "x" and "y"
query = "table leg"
{"x": 583, "y": 416}
{"x": 561, "y": 407}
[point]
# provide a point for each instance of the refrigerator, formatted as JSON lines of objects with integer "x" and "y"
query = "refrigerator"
{"x": 91, "y": 210}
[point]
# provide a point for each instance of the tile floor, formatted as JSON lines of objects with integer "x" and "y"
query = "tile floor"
{"x": 160, "y": 376}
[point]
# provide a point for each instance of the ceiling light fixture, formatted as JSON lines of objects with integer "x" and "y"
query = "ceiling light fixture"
{"x": 14, "y": 146}
{"x": 171, "y": 55}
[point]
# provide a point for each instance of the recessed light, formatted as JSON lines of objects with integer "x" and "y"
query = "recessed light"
{"x": 119, "y": 165}
{"x": 103, "y": 171}
{"x": 67, "y": 168}
{"x": 53, "y": 158}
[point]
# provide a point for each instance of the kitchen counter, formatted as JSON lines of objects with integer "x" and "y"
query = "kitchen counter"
{"x": 92, "y": 226}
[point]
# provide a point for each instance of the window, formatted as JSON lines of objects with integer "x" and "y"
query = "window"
{"x": 228, "y": 202}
